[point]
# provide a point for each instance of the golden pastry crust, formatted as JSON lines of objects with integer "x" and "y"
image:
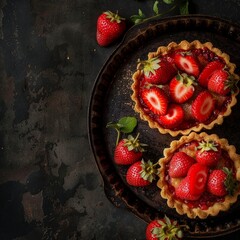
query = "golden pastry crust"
{"x": 185, "y": 45}
{"x": 180, "y": 206}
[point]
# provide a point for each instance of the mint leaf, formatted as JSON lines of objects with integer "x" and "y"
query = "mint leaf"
{"x": 155, "y": 7}
{"x": 127, "y": 124}
{"x": 168, "y": 1}
{"x": 183, "y": 8}
{"x": 138, "y": 18}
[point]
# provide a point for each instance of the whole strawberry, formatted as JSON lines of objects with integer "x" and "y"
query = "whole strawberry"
{"x": 221, "y": 182}
{"x": 128, "y": 151}
{"x": 208, "y": 153}
{"x": 163, "y": 229}
{"x": 141, "y": 173}
{"x": 110, "y": 26}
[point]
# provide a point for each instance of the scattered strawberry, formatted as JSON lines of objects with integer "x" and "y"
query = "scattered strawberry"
{"x": 222, "y": 82}
{"x": 208, "y": 153}
{"x": 197, "y": 175}
{"x": 156, "y": 100}
{"x": 203, "y": 106}
{"x": 180, "y": 164}
{"x": 221, "y": 182}
{"x": 141, "y": 174}
{"x": 157, "y": 71}
{"x": 128, "y": 151}
{"x": 163, "y": 229}
{"x": 187, "y": 62}
{"x": 183, "y": 191}
{"x": 181, "y": 87}
{"x": 208, "y": 71}
{"x": 174, "y": 116}
{"x": 110, "y": 26}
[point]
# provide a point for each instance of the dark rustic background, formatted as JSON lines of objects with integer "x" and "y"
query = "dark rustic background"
{"x": 50, "y": 187}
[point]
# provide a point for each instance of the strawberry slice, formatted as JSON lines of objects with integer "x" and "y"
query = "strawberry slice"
{"x": 180, "y": 164}
{"x": 208, "y": 71}
{"x": 221, "y": 82}
{"x": 157, "y": 71}
{"x": 156, "y": 100}
{"x": 173, "y": 118}
{"x": 181, "y": 87}
{"x": 187, "y": 62}
{"x": 203, "y": 106}
{"x": 183, "y": 191}
{"x": 197, "y": 175}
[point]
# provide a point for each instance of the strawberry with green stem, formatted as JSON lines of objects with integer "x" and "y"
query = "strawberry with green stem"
{"x": 141, "y": 173}
{"x": 164, "y": 228}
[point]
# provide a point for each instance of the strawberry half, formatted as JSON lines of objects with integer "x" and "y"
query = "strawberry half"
{"x": 141, "y": 174}
{"x": 183, "y": 191}
{"x": 157, "y": 71}
{"x": 180, "y": 164}
{"x": 187, "y": 62}
{"x": 197, "y": 176}
{"x": 222, "y": 82}
{"x": 156, "y": 100}
{"x": 203, "y": 106}
{"x": 208, "y": 71}
{"x": 181, "y": 87}
{"x": 208, "y": 153}
{"x": 173, "y": 118}
{"x": 110, "y": 26}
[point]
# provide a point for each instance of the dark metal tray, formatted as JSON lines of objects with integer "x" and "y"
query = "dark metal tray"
{"x": 111, "y": 100}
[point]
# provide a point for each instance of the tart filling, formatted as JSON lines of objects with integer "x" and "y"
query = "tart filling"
{"x": 185, "y": 87}
{"x": 199, "y": 175}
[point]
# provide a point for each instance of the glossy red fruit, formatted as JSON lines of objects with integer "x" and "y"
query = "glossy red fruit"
{"x": 208, "y": 153}
{"x": 128, "y": 151}
{"x": 203, "y": 106}
{"x": 180, "y": 164}
{"x": 156, "y": 100}
{"x": 173, "y": 118}
{"x": 181, "y": 88}
{"x": 197, "y": 176}
{"x": 110, "y": 26}
{"x": 157, "y": 71}
{"x": 187, "y": 62}
{"x": 164, "y": 228}
{"x": 183, "y": 191}
{"x": 208, "y": 71}
{"x": 221, "y": 82}
{"x": 141, "y": 174}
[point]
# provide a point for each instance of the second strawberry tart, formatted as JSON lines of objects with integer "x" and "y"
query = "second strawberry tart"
{"x": 185, "y": 87}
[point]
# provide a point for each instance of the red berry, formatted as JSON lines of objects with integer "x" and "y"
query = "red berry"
{"x": 197, "y": 175}
{"x": 180, "y": 164}
{"x": 110, "y": 26}
{"x": 203, "y": 106}
{"x": 173, "y": 118}
{"x": 156, "y": 100}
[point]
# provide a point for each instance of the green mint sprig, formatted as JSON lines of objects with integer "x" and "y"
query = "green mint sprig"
{"x": 124, "y": 125}
{"x": 181, "y": 5}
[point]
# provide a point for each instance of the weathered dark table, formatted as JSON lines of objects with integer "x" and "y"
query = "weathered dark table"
{"x": 50, "y": 186}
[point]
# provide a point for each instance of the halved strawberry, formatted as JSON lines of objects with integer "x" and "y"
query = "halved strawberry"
{"x": 203, "y": 106}
{"x": 222, "y": 82}
{"x": 173, "y": 118}
{"x": 181, "y": 87}
{"x": 208, "y": 153}
{"x": 183, "y": 191}
{"x": 157, "y": 71}
{"x": 156, "y": 100}
{"x": 208, "y": 71}
{"x": 187, "y": 62}
{"x": 180, "y": 164}
{"x": 197, "y": 175}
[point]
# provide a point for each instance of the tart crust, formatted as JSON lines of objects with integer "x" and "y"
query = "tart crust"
{"x": 185, "y": 45}
{"x": 181, "y": 207}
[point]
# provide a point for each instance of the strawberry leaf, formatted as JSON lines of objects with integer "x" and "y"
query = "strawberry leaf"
{"x": 155, "y": 7}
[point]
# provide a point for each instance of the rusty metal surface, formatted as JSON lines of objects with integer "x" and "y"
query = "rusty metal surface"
{"x": 50, "y": 186}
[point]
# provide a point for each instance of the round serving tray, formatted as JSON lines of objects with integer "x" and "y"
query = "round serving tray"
{"x": 111, "y": 100}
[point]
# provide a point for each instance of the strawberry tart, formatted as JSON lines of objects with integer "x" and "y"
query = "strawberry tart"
{"x": 199, "y": 175}
{"x": 185, "y": 87}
